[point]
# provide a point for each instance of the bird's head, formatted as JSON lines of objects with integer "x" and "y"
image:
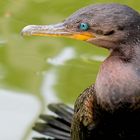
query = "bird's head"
{"x": 106, "y": 25}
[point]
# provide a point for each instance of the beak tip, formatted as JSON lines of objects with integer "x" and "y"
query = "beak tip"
{"x": 27, "y": 30}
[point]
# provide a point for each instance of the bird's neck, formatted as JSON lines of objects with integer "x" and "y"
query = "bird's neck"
{"x": 118, "y": 79}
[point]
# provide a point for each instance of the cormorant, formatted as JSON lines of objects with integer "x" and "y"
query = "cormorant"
{"x": 110, "y": 108}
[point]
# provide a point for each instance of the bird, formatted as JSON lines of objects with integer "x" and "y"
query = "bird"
{"x": 110, "y": 107}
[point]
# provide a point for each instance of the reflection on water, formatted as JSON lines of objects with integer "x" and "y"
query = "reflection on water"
{"x": 65, "y": 55}
{"x": 42, "y": 67}
{"x": 17, "y": 111}
{"x": 92, "y": 59}
{"x": 51, "y": 76}
{"x": 3, "y": 42}
{"x": 48, "y": 92}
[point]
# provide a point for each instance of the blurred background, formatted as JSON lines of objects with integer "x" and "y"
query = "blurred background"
{"x": 35, "y": 71}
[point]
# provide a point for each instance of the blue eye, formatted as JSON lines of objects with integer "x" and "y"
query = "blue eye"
{"x": 84, "y": 26}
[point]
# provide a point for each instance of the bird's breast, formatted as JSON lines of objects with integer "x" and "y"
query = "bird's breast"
{"x": 117, "y": 84}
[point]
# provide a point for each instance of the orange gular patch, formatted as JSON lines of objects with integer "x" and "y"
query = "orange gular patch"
{"x": 82, "y": 36}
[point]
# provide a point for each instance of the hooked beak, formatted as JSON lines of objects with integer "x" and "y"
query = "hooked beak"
{"x": 57, "y": 30}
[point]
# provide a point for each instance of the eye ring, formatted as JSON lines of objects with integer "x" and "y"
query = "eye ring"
{"x": 84, "y": 26}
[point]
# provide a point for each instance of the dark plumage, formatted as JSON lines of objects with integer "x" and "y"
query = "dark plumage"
{"x": 110, "y": 108}
{"x": 56, "y": 126}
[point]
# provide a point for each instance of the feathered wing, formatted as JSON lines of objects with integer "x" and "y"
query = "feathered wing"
{"x": 77, "y": 124}
{"x": 83, "y": 123}
{"x": 57, "y": 126}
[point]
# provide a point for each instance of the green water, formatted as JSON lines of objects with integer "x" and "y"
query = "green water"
{"x": 23, "y": 61}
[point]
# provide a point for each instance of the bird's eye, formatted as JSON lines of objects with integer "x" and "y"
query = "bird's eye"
{"x": 84, "y": 26}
